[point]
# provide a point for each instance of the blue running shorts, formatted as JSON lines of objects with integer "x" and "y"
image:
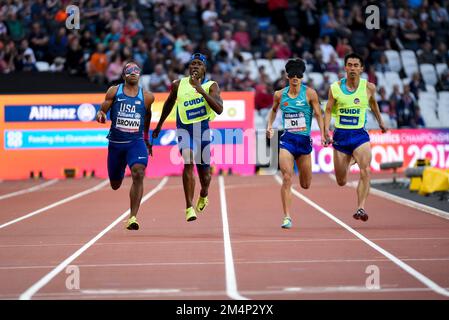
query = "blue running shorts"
{"x": 296, "y": 144}
{"x": 122, "y": 154}
{"x": 347, "y": 140}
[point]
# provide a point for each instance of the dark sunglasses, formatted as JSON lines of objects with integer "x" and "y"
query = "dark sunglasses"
{"x": 293, "y": 74}
{"x": 132, "y": 70}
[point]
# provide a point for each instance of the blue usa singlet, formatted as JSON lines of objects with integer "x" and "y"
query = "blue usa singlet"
{"x": 127, "y": 116}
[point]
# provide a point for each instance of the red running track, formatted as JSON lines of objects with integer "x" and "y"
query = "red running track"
{"x": 236, "y": 250}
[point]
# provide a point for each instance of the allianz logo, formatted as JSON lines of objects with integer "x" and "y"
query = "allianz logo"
{"x": 85, "y": 112}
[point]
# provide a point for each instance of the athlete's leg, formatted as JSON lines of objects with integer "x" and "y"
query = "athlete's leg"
{"x": 116, "y": 165}
{"x": 362, "y": 155}
{"x": 136, "y": 191}
{"x": 286, "y": 163}
{"x": 188, "y": 179}
{"x": 205, "y": 178}
{"x": 341, "y": 166}
{"x": 304, "y": 163}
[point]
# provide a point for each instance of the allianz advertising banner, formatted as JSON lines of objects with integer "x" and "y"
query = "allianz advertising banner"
{"x": 50, "y": 133}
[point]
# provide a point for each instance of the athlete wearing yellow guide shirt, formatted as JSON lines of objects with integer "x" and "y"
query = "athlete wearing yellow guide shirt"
{"x": 197, "y": 100}
{"x": 349, "y": 99}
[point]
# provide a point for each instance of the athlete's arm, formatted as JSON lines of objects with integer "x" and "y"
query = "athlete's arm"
{"x": 273, "y": 112}
{"x": 328, "y": 116}
{"x": 213, "y": 97}
{"x": 168, "y": 107}
{"x": 315, "y": 103}
{"x": 375, "y": 107}
{"x": 106, "y": 105}
{"x": 149, "y": 99}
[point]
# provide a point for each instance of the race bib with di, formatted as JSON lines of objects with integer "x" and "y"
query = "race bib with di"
{"x": 295, "y": 121}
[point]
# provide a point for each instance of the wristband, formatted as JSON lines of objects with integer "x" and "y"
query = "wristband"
{"x": 146, "y": 136}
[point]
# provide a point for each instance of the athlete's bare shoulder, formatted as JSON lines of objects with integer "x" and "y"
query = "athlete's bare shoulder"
{"x": 112, "y": 90}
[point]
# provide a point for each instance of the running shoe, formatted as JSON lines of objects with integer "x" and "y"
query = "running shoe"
{"x": 287, "y": 223}
{"x": 202, "y": 204}
{"x": 132, "y": 224}
{"x": 190, "y": 214}
{"x": 361, "y": 215}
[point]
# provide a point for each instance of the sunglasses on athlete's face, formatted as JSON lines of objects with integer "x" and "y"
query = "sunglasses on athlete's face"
{"x": 132, "y": 70}
{"x": 292, "y": 75}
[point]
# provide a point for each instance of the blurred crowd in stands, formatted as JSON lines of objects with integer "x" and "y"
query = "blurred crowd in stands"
{"x": 236, "y": 35}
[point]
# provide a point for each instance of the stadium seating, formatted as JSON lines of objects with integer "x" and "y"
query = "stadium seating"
{"x": 409, "y": 62}
{"x": 394, "y": 61}
{"x": 428, "y": 73}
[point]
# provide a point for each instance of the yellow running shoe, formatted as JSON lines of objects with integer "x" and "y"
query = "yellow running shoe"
{"x": 190, "y": 214}
{"x": 132, "y": 224}
{"x": 201, "y": 204}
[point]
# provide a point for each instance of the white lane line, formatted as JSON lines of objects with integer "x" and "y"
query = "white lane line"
{"x": 231, "y": 282}
{"x": 169, "y": 264}
{"x": 28, "y": 190}
{"x": 28, "y": 294}
{"x": 400, "y": 200}
{"x": 156, "y": 243}
{"x": 55, "y": 204}
{"x": 128, "y": 292}
{"x": 419, "y": 276}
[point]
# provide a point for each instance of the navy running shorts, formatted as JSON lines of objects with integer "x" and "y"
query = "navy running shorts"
{"x": 347, "y": 140}
{"x": 196, "y": 137}
{"x": 296, "y": 144}
{"x": 122, "y": 154}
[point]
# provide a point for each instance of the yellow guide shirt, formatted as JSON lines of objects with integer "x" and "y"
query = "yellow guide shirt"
{"x": 191, "y": 106}
{"x": 350, "y": 108}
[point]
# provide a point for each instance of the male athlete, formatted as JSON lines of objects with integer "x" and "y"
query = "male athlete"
{"x": 197, "y": 100}
{"x": 298, "y": 103}
{"x": 128, "y": 137}
{"x": 349, "y": 99}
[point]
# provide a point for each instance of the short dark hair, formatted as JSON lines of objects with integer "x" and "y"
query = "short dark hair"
{"x": 296, "y": 64}
{"x": 354, "y": 55}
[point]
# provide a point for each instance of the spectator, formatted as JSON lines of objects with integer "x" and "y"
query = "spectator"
{"x": 442, "y": 54}
{"x": 343, "y": 47}
{"x": 426, "y": 56}
{"x": 443, "y": 83}
{"x": 323, "y": 89}
{"x": 15, "y": 27}
{"x": 382, "y": 64}
{"x": 38, "y": 41}
{"x": 372, "y": 74}
{"x": 263, "y": 99}
{"x": 210, "y": 16}
{"x": 309, "y": 20}
{"x": 406, "y": 110}
{"x": 228, "y": 44}
{"x": 281, "y": 48}
{"x": 241, "y": 37}
{"x": 133, "y": 25}
{"x": 98, "y": 64}
{"x": 159, "y": 81}
{"x": 327, "y": 49}
{"x": 58, "y": 43}
{"x": 214, "y": 44}
{"x": 114, "y": 70}
{"x": 332, "y": 65}
{"x": 384, "y": 103}
{"x": 328, "y": 23}
{"x": 75, "y": 58}
{"x": 416, "y": 85}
